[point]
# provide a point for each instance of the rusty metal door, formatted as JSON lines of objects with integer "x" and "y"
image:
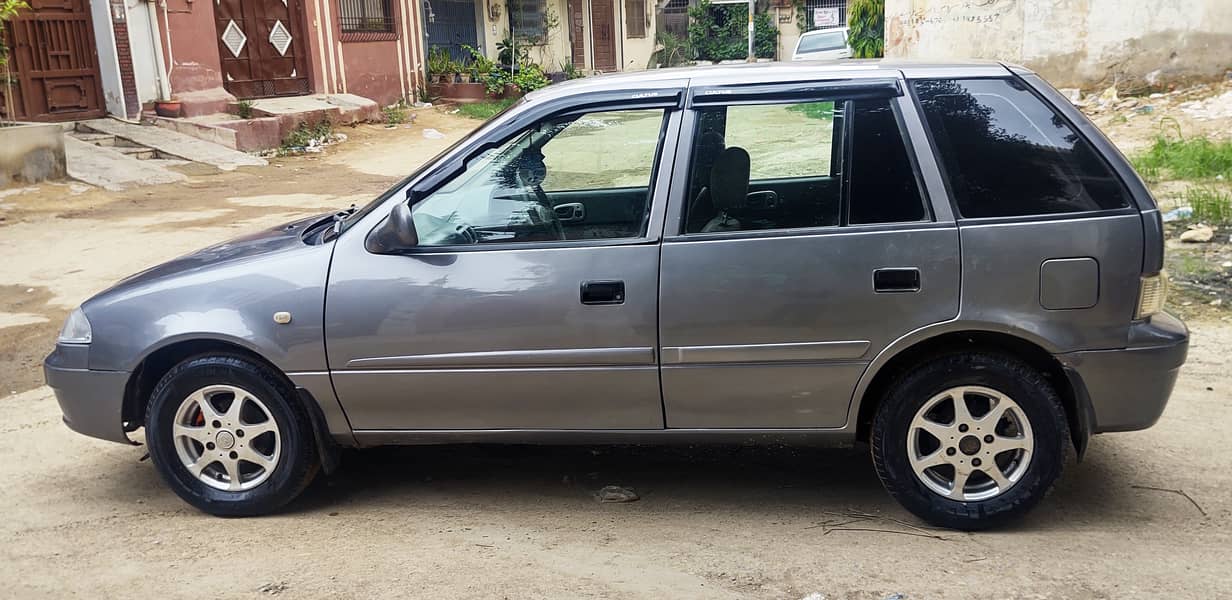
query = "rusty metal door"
{"x": 262, "y": 46}
{"x": 53, "y": 64}
{"x": 603, "y": 34}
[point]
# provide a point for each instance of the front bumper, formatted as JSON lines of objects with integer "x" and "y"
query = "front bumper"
{"x": 92, "y": 401}
{"x": 1128, "y": 388}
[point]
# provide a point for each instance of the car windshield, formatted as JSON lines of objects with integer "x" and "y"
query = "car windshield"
{"x": 833, "y": 40}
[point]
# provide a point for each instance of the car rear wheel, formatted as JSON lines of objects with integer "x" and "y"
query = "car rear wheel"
{"x": 969, "y": 441}
{"x": 228, "y": 436}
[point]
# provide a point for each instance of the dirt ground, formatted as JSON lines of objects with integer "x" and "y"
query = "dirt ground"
{"x": 86, "y": 518}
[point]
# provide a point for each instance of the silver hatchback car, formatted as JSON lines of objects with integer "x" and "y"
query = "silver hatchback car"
{"x": 948, "y": 262}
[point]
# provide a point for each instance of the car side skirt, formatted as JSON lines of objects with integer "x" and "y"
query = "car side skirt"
{"x": 599, "y": 437}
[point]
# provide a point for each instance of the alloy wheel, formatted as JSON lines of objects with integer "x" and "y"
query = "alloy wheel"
{"x": 970, "y": 443}
{"x": 226, "y": 437}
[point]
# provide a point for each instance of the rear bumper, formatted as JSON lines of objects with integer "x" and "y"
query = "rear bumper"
{"x": 92, "y": 401}
{"x": 1128, "y": 388}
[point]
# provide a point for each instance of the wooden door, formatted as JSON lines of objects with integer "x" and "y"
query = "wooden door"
{"x": 53, "y": 63}
{"x": 603, "y": 34}
{"x": 577, "y": 34}
{"x": 263, "y": 47}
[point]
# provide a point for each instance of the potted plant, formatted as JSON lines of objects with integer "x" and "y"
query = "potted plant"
{"x": 168, "y": 108}
{"x": 438, "y": 64}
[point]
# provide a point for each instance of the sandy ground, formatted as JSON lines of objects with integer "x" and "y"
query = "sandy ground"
{"x": 86, "y": 518}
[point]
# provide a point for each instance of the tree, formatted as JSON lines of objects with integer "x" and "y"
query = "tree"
{"x": 866, "y": 18}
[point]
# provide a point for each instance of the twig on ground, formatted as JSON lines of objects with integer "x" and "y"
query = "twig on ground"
{"x": 875, "y": 530}
{"x": 1172, "y": 491}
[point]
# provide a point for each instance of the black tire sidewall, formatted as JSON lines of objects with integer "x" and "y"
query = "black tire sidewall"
{"x": 1026, "y": 386}
{"x": 297, "y": 454}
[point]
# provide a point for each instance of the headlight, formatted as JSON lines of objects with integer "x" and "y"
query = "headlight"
{"x": 76, "y": 329}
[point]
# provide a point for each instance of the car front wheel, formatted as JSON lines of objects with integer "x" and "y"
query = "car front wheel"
{"x": 970, "y": 441}
{"x": 228, "y": 436}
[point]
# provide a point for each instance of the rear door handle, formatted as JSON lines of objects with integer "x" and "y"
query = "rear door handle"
{"x": 893, "y": 280}
{"x": 603, "y": 292}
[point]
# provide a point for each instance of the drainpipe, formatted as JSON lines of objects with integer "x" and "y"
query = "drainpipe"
{"x": 164, "y": 84}
{"x": 170, "y": 56}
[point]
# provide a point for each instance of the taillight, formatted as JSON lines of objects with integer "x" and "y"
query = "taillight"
{"x": 1152, "y": 294}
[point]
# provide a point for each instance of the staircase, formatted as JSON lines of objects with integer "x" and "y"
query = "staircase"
{"x": 124, "y": 146}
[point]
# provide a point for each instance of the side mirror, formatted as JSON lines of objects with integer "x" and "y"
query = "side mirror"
{"x": 395, "y": 233}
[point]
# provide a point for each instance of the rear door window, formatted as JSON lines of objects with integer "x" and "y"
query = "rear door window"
{"x": 1007, "y": 153}
{"x": 800, "y": 165}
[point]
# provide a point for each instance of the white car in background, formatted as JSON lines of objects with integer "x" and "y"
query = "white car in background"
{"x": 822, "y": 44}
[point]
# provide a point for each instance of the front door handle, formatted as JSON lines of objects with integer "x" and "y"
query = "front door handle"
{"x": 603, "y": 292}
{"x": 570, "y": 213}
{"x": 906, "y": 279}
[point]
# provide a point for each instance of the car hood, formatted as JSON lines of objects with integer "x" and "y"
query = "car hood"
{"x": 283, "y": 238}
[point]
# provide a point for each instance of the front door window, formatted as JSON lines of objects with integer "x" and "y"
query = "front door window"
{"x": 579, "y": 177}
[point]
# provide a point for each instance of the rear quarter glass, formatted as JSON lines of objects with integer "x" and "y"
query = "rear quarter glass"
{"x": 1008, "y": 153}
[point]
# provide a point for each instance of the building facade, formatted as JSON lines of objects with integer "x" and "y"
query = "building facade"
{"x": 1072, "y": 43}
{"x": 76, "y": 59}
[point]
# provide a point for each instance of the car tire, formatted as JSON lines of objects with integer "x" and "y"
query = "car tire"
{"x": 206, "y": 456}
{"x": 1027, "y": 457}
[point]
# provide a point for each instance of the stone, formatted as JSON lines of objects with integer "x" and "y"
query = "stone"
{"x": 1197, "y": 234}
{"x": 616, "y": 493}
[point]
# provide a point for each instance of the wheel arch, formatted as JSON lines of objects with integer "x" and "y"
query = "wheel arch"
{"x": 161, "y": 359}
{"x": 902, "y": 356}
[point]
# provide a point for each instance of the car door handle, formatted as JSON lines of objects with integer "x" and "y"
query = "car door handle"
{"x": 603, "y": 292}
{"x": 896, "y": 280}
{"x": 570, "y": 213}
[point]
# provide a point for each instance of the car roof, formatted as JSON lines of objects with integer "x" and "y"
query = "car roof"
{"x": 772, "y": 72}
{"x": 821, "y": 31}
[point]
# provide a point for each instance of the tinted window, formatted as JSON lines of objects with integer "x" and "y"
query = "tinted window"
{"x": 782, "y": 166}
{"x": 1007, "y": 153}
{"x": 576, "y": 178}
{"x": 883, "y": 183}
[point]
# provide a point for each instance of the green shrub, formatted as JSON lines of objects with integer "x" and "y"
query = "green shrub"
{"x": 243, "y": 109}
{"x": 720, "y": 32}
{"x": 395, "y": 114}
{"x": 529, "y": 78}
{"x": 305, "y": 135}
{"x": 866, "y": 18}
{"x": 673, "y": 52}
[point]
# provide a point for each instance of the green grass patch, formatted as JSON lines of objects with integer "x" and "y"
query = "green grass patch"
{"x": 395, "y": 114}
{"x": 306, "y": 135}
{"x": 814, "y": 110}
{"x": 484, "y": 110}
{"x": 1193, "y": 158}
{"x": 1209, "y": 205}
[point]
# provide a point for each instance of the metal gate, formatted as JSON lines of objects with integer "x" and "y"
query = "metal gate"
{"x": 451, "y": 24}
{"x": 825, "y": 14}
{"x": 259, "y": 42}
{"x": 53, "y": 64}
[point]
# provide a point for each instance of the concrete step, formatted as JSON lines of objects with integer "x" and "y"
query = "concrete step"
{"x": 172, "y": 144}
{"x": 98, "y": 139}
{"x": 108, "y": 168}
{"x": 140, "y": 152}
